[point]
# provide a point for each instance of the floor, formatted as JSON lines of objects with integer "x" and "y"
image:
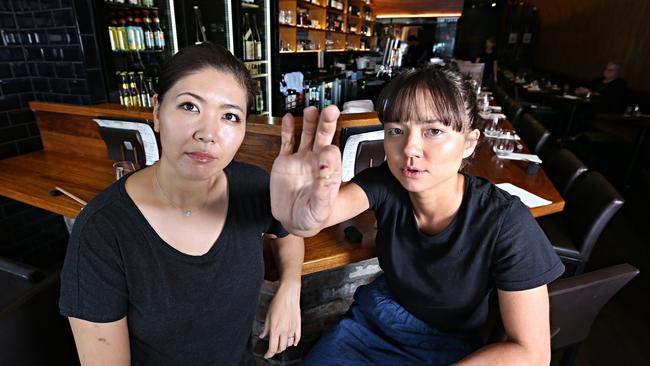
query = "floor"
{"x": 621, "y": 333}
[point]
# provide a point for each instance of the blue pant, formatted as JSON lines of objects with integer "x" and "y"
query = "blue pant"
{"x": 378, "y": 331}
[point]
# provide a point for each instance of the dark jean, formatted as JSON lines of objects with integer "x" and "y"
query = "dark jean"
{"x": 378, "y": 331}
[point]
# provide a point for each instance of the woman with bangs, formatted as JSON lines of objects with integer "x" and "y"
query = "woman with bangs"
{"x": 165, "y": 266}
{"x": 446, "y": 241}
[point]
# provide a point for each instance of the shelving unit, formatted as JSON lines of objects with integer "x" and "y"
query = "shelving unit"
{"x": 317, "y": 36}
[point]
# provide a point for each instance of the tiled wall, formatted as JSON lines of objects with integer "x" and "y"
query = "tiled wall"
{"x": 47, "y": 53}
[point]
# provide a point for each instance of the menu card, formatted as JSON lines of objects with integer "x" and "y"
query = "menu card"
{"x": 529, "y": 199}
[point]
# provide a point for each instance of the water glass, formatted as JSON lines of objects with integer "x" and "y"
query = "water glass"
{"x": 505, "y": 144}
{"x": 492, "y": 130}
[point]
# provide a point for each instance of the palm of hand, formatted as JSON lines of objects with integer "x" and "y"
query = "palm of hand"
{"x": 304, "y": 184}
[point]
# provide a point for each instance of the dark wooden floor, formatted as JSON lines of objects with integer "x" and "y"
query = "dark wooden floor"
{"x": 621, "y": 333}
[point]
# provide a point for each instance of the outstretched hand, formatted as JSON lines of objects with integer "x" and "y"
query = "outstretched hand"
{"x": 304, "y": 184}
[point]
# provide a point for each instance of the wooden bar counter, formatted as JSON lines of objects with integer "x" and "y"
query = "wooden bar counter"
{"x": 75, "y": 159}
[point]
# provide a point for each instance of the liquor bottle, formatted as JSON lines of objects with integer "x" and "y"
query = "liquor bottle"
{"x": 248, "y": 41}
{"x": 112, "y": 34}
{"x": 125, "y": 93}
{"x": 120, "y": 90}
{"x": 122, "y": 38}
{"x": 149, "y": 41}
{"x": 288, "y": 17}
{"x": 198, "y": 24}
{"x": 133, "y": 91}
{"x": 150, "y": 89}
{"x": 158, "y": 33}
{"x": 131, "y": 37}
{"x": 257, "y": 40}
{"x": 139, "y": 33}
{"x": 144, "y": 93}
{"x": 259, "y": 99}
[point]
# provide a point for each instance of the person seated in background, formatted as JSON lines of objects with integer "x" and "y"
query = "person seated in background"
{"x": 489, "y": 58}
{"x": 415, "y": 53}
{"x": 609, "y": 89}
{"x": 447, "y": 242}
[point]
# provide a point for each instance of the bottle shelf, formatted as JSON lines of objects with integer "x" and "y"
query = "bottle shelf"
{"x": 308, "y": 4}
{"x": 334, "y": 10}
{"x": 133, "y": 52}
{"x": 128, "y": 6}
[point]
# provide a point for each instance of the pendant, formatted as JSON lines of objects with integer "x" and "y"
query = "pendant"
{"x": 187, "y": 213}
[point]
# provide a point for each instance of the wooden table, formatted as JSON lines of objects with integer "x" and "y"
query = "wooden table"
{"x": 29, "y": 178}
{"x": 485, "y": 164}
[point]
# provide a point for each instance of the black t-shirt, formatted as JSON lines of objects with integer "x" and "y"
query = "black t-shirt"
{"x": 446, "y": 279}
{"x": 488, "y": 60}
{"x": 612, "y": 95}
{"x": 180, "y": 309}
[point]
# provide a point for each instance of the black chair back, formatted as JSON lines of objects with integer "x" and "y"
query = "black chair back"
{"x": 31, "y": 330}
{"x": 532, "y": 133}
{"x": 499, "y": 95}
{"x": 590, "y": 205}
{"x": 512, "y": 110}
{"x": 574, "y": 305}
{"x": 576, "y": 301}
{"x": 562, "y": 167}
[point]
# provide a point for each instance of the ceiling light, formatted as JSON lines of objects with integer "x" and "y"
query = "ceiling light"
{"x": 423, "y": 15}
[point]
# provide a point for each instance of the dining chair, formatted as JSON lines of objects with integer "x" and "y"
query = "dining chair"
{"x": 499, "y": 94}
{"x": 562, "y": 167}
{"x": 574, "y": 304}
{"x": 512, "y": 110}
{"x": 590, "y": 205}
{"x": 31, "y": 330}
{"x": 532, "y": 133}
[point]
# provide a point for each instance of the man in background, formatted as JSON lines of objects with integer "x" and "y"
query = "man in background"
{"x": 608, "y": 89}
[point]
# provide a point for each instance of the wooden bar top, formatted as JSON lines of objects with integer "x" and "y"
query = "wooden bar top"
{"x": 75, "y": 159}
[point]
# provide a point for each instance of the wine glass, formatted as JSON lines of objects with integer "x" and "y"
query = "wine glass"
{"x": 505, "y": 144}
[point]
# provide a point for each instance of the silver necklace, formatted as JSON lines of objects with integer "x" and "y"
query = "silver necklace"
{"x": 185, "y": 212}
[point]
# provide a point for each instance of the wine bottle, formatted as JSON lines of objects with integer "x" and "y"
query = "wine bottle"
{"x": 144, "y": 93}
{"x": 257, "y": 40}
{"x": 159, "y": 35}
{"x": 149, "y": 42}
{"x": 130, "y": 34}
{"x": 247, "y": 38}
{"x": 200, "y": 36}
{"x": 139, "y": 33}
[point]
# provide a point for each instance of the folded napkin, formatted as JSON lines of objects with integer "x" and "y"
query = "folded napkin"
{"x": 503, "y": 136}
{"x": 519, "y": 156}
{"x": 529, "y": 199}
{"x": 490, "y": 115}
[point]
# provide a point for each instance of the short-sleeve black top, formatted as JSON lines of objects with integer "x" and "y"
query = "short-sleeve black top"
{"x": 180, "y": 309}
{"x": 446, "y": 279}
{"x": 612, "y": 95}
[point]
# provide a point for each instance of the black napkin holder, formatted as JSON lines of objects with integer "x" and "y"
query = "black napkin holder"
{"x": 123, "y": 144}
